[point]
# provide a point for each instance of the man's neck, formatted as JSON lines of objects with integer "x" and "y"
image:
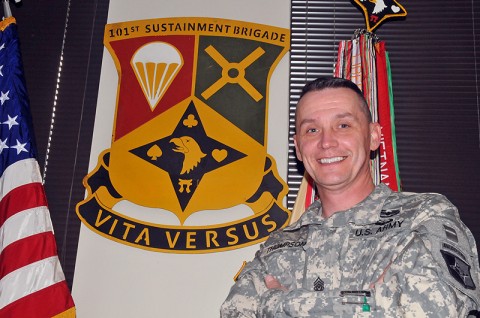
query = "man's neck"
{"x": 335, "y": 200}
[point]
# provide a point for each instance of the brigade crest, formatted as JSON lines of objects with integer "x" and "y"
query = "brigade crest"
{"x": 189, "y": 134}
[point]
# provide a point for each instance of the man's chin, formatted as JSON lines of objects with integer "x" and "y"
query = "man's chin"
{"x": 332, "y": 183}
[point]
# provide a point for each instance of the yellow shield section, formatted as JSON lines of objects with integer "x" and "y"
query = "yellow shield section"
{"x": 145, "y": 184}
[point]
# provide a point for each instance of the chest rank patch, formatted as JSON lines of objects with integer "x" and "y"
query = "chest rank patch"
{"x": 318, "y": 284}
{"x": 189, "y": 135}
{"x": 459, "y": 269}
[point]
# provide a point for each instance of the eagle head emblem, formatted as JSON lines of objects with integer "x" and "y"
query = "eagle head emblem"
{"x": 191, "y": 150}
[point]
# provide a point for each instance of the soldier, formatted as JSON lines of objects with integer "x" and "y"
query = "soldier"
{"x": 361, "y": 250}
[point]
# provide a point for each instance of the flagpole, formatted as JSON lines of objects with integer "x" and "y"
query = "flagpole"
{"x": 6, "y": 9}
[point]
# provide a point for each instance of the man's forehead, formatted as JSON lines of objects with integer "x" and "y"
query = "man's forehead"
{"x": 331, "y": 93}
{"x": 343, "y": 100}
{"x": 332, "y": 116}
{"x": 345, "y": 115}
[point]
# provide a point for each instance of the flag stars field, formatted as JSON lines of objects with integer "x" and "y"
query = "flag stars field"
{"x": 4, "y": 97}
{"x": 11, "y": 122}
{"x": 3, "y": 145}
{"x": 20, "y": 147}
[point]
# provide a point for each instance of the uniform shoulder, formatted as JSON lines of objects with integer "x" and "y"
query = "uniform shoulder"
{"x": 437, "y": 222}
{"x": 432, "y": 215}
{"x": 424, "y": 206}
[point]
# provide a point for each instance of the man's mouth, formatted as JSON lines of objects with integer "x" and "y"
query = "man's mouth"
{"x": 331, "y": 160}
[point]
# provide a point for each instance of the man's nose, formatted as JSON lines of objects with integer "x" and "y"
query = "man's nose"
{"x": 328, "y": 139}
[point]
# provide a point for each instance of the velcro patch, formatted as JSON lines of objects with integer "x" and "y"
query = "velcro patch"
{"x": 389, "y": 213}
{"x": 459, "y": 269}
{"x": 450, "y": 233}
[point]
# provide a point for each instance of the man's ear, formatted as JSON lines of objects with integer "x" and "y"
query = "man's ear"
{"x": 297, "y": 152}
{"x": 375, "y": 136}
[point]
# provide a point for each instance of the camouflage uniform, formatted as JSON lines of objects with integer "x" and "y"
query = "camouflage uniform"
{"x": 394, "y": 254}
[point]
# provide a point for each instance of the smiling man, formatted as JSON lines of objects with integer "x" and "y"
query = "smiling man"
{"x": 334, "y": 138}
{"x": 360, "y": 250}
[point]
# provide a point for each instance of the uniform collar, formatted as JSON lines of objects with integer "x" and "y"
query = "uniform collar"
{"x": 365, "y": 212}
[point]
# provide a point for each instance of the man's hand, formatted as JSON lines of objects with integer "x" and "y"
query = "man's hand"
{"x": 380, "y": 279}
{"x": 272, "y": 283}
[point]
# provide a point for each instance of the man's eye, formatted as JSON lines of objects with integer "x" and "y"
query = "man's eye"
{"x": 343, "y": 125}
{"x": 311, "y": 130}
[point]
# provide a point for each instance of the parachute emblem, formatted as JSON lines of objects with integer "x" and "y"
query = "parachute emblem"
{"x": 155, "y": 65}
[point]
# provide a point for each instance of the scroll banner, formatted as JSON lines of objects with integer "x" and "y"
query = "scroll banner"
{"x": 189, "y": 134}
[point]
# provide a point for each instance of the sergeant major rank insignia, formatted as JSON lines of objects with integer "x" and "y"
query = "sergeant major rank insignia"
{"x": 189, "y": 134}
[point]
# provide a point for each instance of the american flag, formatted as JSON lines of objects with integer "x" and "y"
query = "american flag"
{"x": 32, "y": 283}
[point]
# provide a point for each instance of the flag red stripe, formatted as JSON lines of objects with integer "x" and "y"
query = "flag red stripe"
{"x": 47, "y": 302}
{"x": 26, "y": 251}
{"x": 22, "y": 198}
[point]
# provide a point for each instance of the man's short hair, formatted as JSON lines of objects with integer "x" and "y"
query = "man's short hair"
{"x": 336, "y": 82}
